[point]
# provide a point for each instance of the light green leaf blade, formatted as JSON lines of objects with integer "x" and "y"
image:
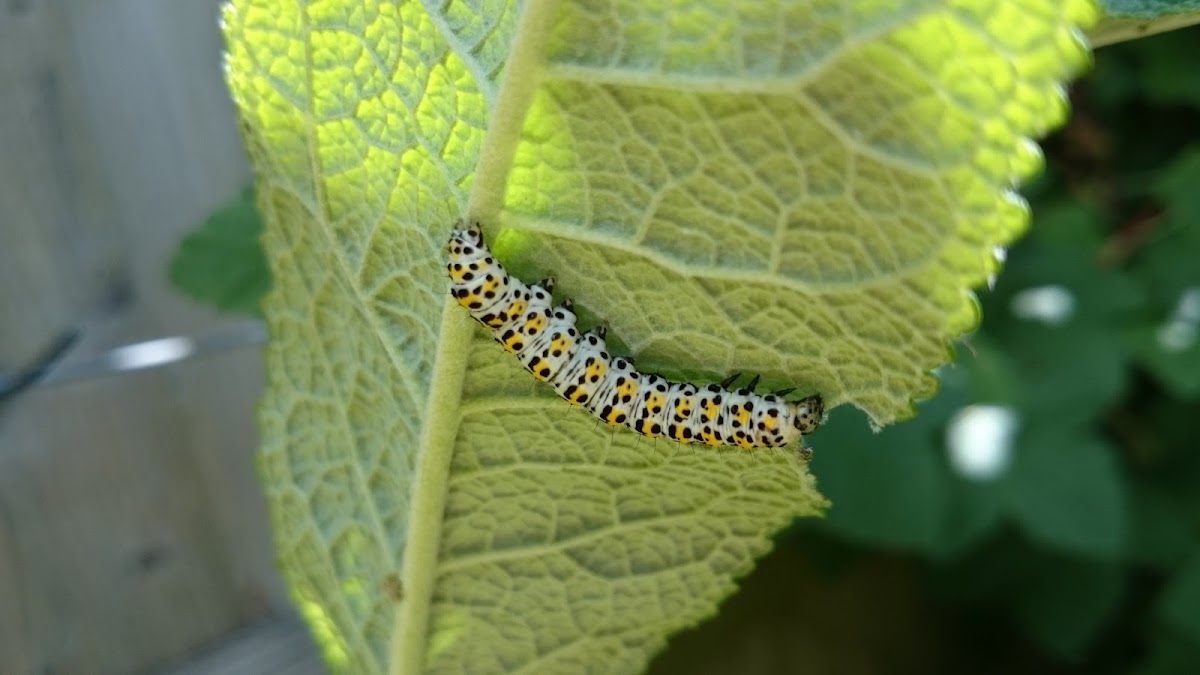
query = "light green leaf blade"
{"x": 818, "y": 183}
{"x": 805, "y": 190}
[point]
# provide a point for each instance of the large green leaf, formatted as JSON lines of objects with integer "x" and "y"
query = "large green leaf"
{"x": 801, "y": 189}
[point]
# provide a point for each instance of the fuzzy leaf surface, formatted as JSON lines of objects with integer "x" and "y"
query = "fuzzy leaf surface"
{"x": 805, "y": 190}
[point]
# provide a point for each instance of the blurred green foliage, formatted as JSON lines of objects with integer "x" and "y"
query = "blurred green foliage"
{"x": 1076, "y": 548}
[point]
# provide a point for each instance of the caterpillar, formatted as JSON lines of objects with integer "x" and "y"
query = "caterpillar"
{"x": 523, "y": 319}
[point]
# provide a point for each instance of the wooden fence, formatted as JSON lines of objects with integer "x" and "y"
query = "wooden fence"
{"x": 133, "y": 533}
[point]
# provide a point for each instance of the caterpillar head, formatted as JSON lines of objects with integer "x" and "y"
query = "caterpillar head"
{"x": 466, "y": 242}
{"x": 807, "y": 414}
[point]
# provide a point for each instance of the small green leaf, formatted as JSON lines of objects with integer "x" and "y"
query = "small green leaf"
{"x": 1068, "y": 356}
{"x": 1176, "y": 184}
{"x": 1179, "y": 607}
{"x": 1170, "y": 654}
{"x": 1067, "y": 223}
{"x": 896, "y": 489}
{"x": 1170, "y": 349}
{"x": 991, "y": 373}
{"x": 1064, "y": 603}
{"x": 889, "y": 489}
{"x": 1167, "y": 339}
{"x": 974, "y": 509}
{"x": 1069, "y": 374}
{"x": 1163, "y": 81}
{"x": 1162, "y": 532}
{"x": 1067, "y": 493}
{"x": 222, "y": 262}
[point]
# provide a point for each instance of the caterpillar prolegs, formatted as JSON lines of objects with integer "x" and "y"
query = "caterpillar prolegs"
{"x": 523, "y": 319}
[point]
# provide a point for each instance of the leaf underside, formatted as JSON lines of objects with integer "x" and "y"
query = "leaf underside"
{"x": 802, "y": 190}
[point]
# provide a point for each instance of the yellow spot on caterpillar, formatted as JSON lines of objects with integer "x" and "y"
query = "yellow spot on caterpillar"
{"x": 743, "y": 415}
{"x": 562, "y": 344}
{"x": 596, "y": 369}
{"x": 514, "y": 342}
{"x": 535, "y": 324}
{"x": 537, "y": 368}
{"x": 518, "y": 307}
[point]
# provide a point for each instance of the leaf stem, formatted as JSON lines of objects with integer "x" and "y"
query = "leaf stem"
{"x": 432, "y": 476}
{"x": 522, "y": 75}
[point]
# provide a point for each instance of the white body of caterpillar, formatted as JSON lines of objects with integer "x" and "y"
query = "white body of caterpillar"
{"x": 523, "y": 319}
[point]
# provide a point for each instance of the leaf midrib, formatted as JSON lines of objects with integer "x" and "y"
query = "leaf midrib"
{"x": 431, "y": 478}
